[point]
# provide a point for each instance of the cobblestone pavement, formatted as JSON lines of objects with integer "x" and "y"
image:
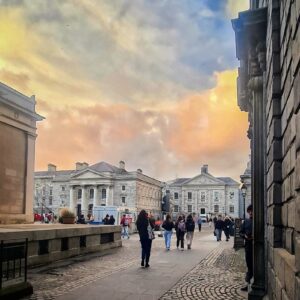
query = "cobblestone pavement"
{"x": 219, "y": 276}
{"x": 62, "y": 277}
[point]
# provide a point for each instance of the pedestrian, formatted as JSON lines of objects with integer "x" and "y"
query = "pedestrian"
{"x": 227, "y": 225}
{"x": 168, "y": 226}
{"x": 246, "y": 234}
{"x": 145, "y": 229}
{"x": 219, "y": 226}
{"x": 106, "y": 220}
{"x": 199, "y": 221}
{"x": 125, "y": 226}
{"x": 190, "y": 227}
{"x": 180, "y": 231}
{"x": 111, "y": 220}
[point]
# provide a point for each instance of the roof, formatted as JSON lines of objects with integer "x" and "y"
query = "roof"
{"x": 178, "y": 181}
{"x": 106, "y": 167}
{"x": 227, "y": 180}
{"x": 54, "y": 173}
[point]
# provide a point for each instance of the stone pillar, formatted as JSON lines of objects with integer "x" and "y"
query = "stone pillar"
{"x": 72, "y": 202}
{"x": 84, "y": 201}
{"x": 96, "y": 197}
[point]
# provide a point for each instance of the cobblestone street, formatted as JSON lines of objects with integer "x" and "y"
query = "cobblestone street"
{"x": 210, "y": 270}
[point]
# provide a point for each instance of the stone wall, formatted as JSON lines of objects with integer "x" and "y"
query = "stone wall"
{"x": 283, "y": 146}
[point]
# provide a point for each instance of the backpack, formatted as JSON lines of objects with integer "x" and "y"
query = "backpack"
{"x": 181, "y": 226}
{"x": 126, "y": 222}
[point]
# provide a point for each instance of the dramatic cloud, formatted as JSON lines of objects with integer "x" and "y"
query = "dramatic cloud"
{"x": 143, "y": 81}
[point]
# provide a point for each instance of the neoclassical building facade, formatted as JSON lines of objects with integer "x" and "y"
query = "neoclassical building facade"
{"x": 203, "y": 195}
{"x": 101, "y": 184}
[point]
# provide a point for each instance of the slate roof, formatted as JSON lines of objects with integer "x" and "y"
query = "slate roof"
{"x": 178, "y": 181}
{"x": 106, "y": 167}
{"x": 227, "y": 180}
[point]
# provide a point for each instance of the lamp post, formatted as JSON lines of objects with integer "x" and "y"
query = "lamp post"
{"x": 244, "y": 192}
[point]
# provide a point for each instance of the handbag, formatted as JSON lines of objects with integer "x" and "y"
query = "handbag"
{"x": 150, "y": 232}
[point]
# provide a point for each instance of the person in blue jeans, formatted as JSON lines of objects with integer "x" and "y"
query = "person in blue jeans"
{"x": 219, "y": 226}
{"x": 168, "y": 226}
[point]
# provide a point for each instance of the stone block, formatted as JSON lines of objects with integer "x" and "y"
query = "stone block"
{"x": 278, "y": 288}
{"x": 291, "y": 213}
{"x": 297, "y": 283}
{"x": 284, "y": 214}
{"x": 296, "y": 87}
{"x": 33, "y": 248}
{"x": 287, "y": 188}
{"x": 297, "y": 212}
{"x": 297, "y": 252}
{"x": 279, "y": 267}
{"x": 297, "y": 129}
{"x": 289, "y": 240}
{"x": 274, "y": 215}
{"x": 297, "y": 173}
{"x": 275, "y": 236}
{"x": 284, "y": 295}
{"x": 274, "y": 174}
{"x": 289, "y": 275}
{"x": 55, "y": 245}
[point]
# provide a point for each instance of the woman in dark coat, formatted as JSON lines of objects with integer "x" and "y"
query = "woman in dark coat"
{"x": 227, "y": 225}
{"x": 146, "y": 243}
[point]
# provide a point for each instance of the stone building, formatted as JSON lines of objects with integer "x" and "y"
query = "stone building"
{"x": 246, "y": 180}
{"x": 268, "y": 47}
{"x": 100, "y": 184}
{"x": 204, "y": 194}
{"x": 17, "y": 137}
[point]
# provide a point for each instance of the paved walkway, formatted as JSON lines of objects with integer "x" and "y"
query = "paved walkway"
{"x": 211, "y": 270}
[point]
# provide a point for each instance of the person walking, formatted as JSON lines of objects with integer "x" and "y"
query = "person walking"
{"x": 180, "y": 231}
{"x": 219, "y": 226}
{"x": 145, "y": 227}
{"x": 246, "y": 234}
{"x": 190, "y": 227}
{"x": 199, "y": 222}
{"x": 111, "y": 220}
{"x": 125, "y": 225}
{"x": 168, "y": 226}
{"x": 227, "y": 225}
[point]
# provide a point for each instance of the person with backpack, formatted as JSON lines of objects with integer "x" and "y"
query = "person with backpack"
{"x": 125, "y": 225}
{"x": 180, "y": 231}
{"x": 190, "y": 227}
{"x": 168, "y": 226}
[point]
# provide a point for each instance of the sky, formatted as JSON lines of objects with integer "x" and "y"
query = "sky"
{"x": 152, "y": 83}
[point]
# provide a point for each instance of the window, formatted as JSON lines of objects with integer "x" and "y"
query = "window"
{"x": 50, "y": 200}
{"x": 123, "y": 199}
{"x": 175, "y": 195}
{"x": 91, "y": 193}
{"x": 190, "y": 208}
{"x": 175, "y": 208}
{"x": 44, "y": 191}
{"x": 63, "y": 188}
{"x": 168, "y": 191}
{"x": 202, "y": 196}
{"x": 103, "y": 194}
{"x": 231, "y": 195}
{"x": 231, "y": 209}
{"x": 202, "y": 211}
{"x": 79, "y": 194}
{"x": 216, "y": 208}
{"x": 216, "y": 196}
{"x": 189, "y": 195}
{"x": 123, "y": 187}
{"x": 51, "y": 190}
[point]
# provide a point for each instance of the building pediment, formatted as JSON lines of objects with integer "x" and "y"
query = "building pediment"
{"x": 88, "y": 174}
{"x": 203, "y": 179}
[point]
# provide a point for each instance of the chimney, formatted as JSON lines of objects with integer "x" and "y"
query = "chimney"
{"x": 139, "y": 171}
{"x": 122, "y": 165}
{"x": 204, "y": 169}
{"x": 51, "y": 168}
{"x": 84, "y": 165}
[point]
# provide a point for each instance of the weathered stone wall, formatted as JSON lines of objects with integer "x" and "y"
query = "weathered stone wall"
{"x": 282, "y": 81}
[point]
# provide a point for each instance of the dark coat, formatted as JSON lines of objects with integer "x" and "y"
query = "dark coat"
{"x": 168, "y": 225}
{"x": 219, "y": 224}
{"x": 142, "y": 227}
{"x": 190, "y": 225}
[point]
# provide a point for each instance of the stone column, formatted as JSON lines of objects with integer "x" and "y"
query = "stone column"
{"x": 72, "y": 202}
{"x": 84, "y": 201}
{"x": 96, "y": 196}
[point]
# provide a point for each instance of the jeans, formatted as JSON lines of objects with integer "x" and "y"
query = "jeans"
{"x": 189, "y": 238}
{"x": 125, "y": 232}
{"x": 180, "y": 238}
{"x": 168, "y": 235}
{"x": 219, "y": 234}
{"x": 146, "y": 249}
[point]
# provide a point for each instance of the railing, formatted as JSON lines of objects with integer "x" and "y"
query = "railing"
{"x": 13, "y": 262}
